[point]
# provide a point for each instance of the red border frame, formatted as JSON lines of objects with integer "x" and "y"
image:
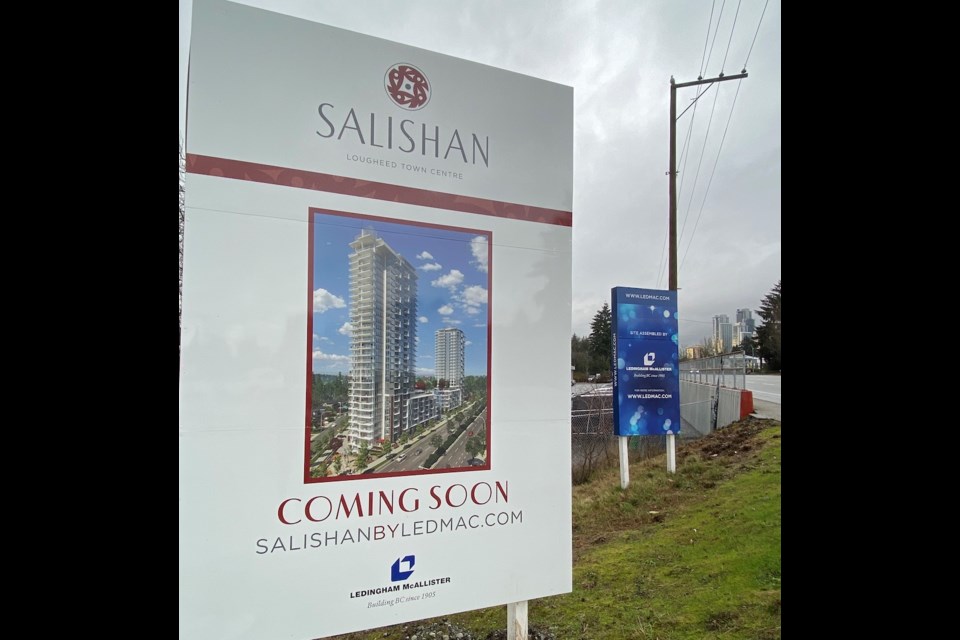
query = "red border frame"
{"x": 308, "y": 413}
{"x": 302, "y": 179}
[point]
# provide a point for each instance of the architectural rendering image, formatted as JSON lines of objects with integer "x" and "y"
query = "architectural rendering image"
{"x": 400, "y": 335}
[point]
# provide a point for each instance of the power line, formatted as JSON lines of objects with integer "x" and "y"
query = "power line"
{"x": 712, "y": 172}
{"x": 663, "y": 249}
{"x": 684, "y": 157}
{"x": 662, "y": 270}
{"x": 686, "y": 144}
{"x": 756, "y": 33}
{"x": 693, "y": 103}
{"x": 707, "y": 39}
{"x": 672, "y": 214}
{"x": 706, "y": 135}
{"x": 696, "y": 178}
{"x": 683, "y": 174}
{"x": 716, "y": 31}
{"x": 732, "y": 29}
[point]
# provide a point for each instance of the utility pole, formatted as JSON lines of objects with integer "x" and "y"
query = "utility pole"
{"x": 671, "y": 438}
{"x": 673, "y": 161}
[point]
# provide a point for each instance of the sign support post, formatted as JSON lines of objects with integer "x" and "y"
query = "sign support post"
{"x": 671, "y": 453}
{"x": 517, "y": 620}
{"x": 624, "y": 463}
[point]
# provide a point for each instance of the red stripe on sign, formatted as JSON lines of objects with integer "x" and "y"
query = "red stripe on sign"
{"x": 300, "y": 179}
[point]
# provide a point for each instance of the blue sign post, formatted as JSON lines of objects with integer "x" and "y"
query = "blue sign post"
{"x": 646, "y": 373}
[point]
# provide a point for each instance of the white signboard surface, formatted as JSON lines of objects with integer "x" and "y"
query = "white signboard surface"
{"x": 377, "y": 258}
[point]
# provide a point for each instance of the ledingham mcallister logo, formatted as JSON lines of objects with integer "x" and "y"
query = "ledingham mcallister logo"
{"x": 402, "y": 569}
{"x": 407, "y": 86}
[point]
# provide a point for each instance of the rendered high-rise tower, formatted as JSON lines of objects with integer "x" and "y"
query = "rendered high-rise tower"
{"x": 448, "y": 363}
{"x": 448, "y": 357}
{"x": 383, "y": 317}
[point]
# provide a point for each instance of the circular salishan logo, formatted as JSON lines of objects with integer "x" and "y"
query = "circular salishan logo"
{"x": 407, "y": 86}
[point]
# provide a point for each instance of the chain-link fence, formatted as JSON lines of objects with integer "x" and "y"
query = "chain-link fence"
{"x": 591, "y": 411}
{"x": 729, "y": 370}
{"x": 594, "y": 446}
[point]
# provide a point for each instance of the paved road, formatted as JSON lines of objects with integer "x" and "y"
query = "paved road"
{"x": 413, "y": 460}
{"x": 765, "y": 387}
{"x": 457, "y": 456}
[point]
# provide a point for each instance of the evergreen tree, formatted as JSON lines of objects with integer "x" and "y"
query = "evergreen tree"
{"x": 580, "y": 356}
{"x": 768, "y": 333}
{"x": 601, "y": 338}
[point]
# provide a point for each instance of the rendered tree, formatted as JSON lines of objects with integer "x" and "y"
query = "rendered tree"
{"x": 363, "y": 457}
{"x": 474, "y": 446}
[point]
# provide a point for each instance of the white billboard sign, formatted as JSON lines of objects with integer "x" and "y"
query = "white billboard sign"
{"x": 374, "y": 397}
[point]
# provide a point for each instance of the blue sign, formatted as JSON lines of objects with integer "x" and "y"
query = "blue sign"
{"x": 646, "y": 375}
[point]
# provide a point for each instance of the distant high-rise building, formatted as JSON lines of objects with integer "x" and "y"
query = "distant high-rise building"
{"x": 722, "y": 333}
{"x": 448, "y": 358}
{"x": 383, "y": 317}
{"x": 744, "y": 328}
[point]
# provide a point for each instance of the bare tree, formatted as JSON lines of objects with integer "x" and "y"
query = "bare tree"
{"x": 594, "y": 445}
{"x": 709, "y": 347}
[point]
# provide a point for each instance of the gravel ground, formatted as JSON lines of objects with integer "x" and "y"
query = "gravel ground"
{"x": 445, "y": 630}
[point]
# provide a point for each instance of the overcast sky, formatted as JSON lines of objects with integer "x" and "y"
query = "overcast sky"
{"x": 619, "y": 56}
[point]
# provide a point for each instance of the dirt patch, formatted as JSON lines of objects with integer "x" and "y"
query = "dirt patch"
{"x": 702, "y": 464}
{"x": 729, "y": 441}
{"x": 721, "y": 621}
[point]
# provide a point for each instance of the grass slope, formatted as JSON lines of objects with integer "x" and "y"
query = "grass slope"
{"x": 696, "y": 555}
